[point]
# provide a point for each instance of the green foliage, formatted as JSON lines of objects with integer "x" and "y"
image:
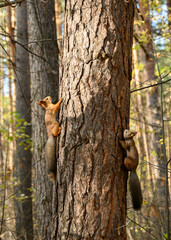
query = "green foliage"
{"x": 16, "y": 181}
{"x": 143, "y": 38}
{"x": 166, "y": 236}
{"x": 33, "y": 191}
{"x": 19, "y": 132}
{"x": 2, "y": 186}
{"x": 62, "y": 5}
{"x": 21, "y": 197}
{"x": 145, "y": 202}
{"x": 138, "y": 22}
{"x": 154, "y": 153}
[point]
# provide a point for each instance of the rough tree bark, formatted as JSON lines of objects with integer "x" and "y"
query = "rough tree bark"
{"x": 44, "y": 82}
{"x": 23, "y": 168}
{"x": 95, "y": 86}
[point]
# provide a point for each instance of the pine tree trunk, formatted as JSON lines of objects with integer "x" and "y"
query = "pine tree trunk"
{"x": 95, "y": 87}
{"x": 44, "y": 82}
{"x": 23, "y": 168}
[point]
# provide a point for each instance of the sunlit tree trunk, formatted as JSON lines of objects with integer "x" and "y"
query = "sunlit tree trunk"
{"x": 142, "y": 135}
{"x": 58, "y": 15}
{"x": 44, "y": 82}
{"x": 13, "y": 25}
{"x": 58, "y": 18}
{"x": 95, "y": 87}
{"x": 2, "y": 144}
{"x": 1, "y": 106}
{"x": 152, "y": 96}
{"x": 169, "y": 18}
{"x": 9, "y": 65}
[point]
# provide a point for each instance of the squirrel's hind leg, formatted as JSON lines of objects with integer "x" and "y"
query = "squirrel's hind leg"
{"x": 55, "y": 129}
{"x": 130, "y": 164}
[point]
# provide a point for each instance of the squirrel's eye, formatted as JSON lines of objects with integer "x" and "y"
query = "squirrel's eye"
{"x": 46, "y": 98}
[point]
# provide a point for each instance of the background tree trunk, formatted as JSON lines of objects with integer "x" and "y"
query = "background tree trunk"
{"x": 10, "y": 65}
{"x": 23, "y": 168}
{"x": 154, "y": 119}
{"x": 44, "y": 82}
{"x": 95, "y": 86}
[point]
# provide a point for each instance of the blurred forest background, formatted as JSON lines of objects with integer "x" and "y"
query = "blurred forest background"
{"x": 150, "y": 112}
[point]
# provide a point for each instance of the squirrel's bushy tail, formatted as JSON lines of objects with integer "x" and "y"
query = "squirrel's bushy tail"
{"x": 50, "y": 155}
{"x": 135, "y": 190}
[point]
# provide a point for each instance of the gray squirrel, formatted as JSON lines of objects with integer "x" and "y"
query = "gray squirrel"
{"x": 53, "y": 130}
{"x": 131, "y": 163}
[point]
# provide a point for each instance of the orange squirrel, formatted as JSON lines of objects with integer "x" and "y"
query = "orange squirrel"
{"x": 53, "y": 130}
{"x": 131, "y": 163}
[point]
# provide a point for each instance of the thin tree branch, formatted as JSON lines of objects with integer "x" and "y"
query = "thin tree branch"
{"x": 152, "y": 125}
{"x": 6, "y": 35}
{"x": 153, "y": 85}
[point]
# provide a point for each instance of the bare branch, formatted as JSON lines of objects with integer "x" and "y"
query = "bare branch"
{"x": 153, "y": 85}
{"x": 13, "y": 40}
{"x": 10, "y": 3}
